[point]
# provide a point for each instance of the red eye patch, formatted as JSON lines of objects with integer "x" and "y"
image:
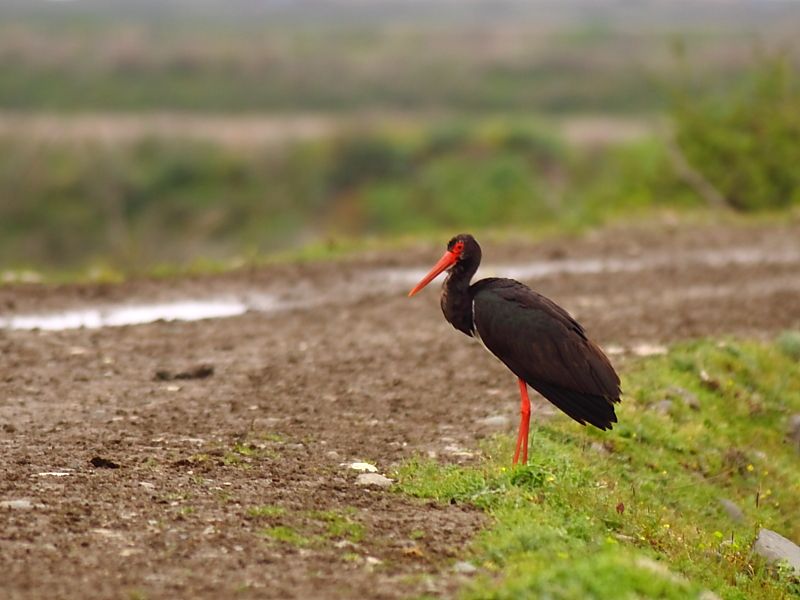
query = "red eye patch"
{"x": 458, "y": 248}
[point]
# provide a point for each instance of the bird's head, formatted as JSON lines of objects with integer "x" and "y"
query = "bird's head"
{"x": 461, "y": 250}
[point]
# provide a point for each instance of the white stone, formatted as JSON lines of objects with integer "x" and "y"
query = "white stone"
{"x": 361, "y": 466}
{"x": 499, "y": 421}
{"x": 375, "y": 479}
{"x": 458, "y": 451}
{"x": 20, "y": 504}
{"x": 776, "y": 548}
{"x": 464, "y": 567}
{"x": 649, "y": 350}
{"x": 108, "y": 533}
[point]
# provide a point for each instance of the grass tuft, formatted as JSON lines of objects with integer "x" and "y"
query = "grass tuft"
{"x": 339, "y": 524}
{"x": 267, "y": 511}
{"x": 286, "y": 535}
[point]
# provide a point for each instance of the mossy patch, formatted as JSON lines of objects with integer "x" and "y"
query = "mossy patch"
{"x": 266, "y": 511}
{"x": 310, "y": 528}
{"x": 286, "y": 535}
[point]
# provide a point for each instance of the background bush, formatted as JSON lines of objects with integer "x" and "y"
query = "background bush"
{"x": 747, "y": 143}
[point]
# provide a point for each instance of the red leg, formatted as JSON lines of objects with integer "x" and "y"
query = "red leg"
{"x": 524, "y": 423}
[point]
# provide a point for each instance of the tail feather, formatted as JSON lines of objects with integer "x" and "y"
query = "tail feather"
{"x": 584, "y": 408}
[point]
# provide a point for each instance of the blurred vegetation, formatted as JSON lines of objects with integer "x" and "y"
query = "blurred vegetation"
{"x": 745, "y": 144}
{"x": 155, "y": 200}
{"x": 67, "y": 203}
{"x": 515, "y": 67}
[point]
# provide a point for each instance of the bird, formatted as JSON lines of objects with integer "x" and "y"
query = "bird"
{"x": 533, "y": 336}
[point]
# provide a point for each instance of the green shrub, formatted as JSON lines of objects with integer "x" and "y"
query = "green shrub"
{"x": 745, "y": 144}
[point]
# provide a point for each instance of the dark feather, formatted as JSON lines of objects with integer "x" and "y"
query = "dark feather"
{"x": 541, "y": 343}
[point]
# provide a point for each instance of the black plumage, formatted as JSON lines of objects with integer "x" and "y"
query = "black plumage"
{"x": 534, "y": 337}
{"x": 543, "y": 345}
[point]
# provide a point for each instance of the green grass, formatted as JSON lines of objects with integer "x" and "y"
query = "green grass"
{"x": 286, "y": 535}
{"x": 309, "y": 528}
{"x": 340, "y": 524}
{"x": 635, "y": 513}
{"x": 266, "y": 511}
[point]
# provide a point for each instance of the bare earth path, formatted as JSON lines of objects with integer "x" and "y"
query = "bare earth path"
{"x": 332, "y": 365}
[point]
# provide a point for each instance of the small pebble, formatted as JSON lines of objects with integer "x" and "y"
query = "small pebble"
{"x": 793, "y": 430}
{"x": 649, "y": 350}
{"x": 776, "y": 548}
{"x": 361, "y": 466}
{"x": 663, "y": 407}
{"x": 688, "y": 397}
{"x": 454, "y": 450}
{"x": 20, "y": 504}
{"x": 464, "y": 567}
{"x": 375, "y": 479}
{"x": 733, "y": 510}
{"x": 498, "y": 421}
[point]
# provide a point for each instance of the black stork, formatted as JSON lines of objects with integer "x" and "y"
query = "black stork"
{"x": 532, "y": 335}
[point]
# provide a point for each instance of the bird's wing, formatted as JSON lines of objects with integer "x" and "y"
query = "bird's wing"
{"x": 539, "y": 341}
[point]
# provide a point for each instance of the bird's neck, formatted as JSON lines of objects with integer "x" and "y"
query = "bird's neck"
{"x": 456, "y": 298}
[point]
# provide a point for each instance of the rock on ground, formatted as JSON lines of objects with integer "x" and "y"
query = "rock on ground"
{"x": 20, "y": 504}
{"x": 794, "y": 430}
{"x": 733, "y": 510}
{"x": 775, "y": 548}
{"x": 375, "y": 479}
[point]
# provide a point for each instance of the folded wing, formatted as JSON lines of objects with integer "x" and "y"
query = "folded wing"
{"x": 541, "y": 343}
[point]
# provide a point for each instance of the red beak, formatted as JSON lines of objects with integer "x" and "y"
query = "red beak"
{"x": 447, "y": 261}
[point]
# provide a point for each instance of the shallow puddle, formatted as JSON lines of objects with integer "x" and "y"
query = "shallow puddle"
{"x": 546, "y": 268}
{"x": 118, "y": 316}
{"x": 394, "y": 280}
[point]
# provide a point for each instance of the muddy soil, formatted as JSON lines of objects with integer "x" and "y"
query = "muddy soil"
{"x": 120, "y": 481}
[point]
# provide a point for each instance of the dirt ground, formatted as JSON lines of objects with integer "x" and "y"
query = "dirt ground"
{"x": 343, "y": 368}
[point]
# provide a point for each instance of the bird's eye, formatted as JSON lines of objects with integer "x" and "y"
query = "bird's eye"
{"x": 458, "y": 248}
